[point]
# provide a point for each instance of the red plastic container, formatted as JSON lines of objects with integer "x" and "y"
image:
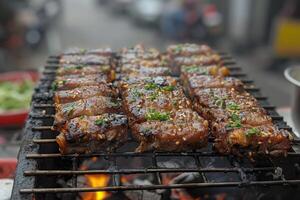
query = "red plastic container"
{"x": 17, "y": 117}
{"x": 7, "y": 167}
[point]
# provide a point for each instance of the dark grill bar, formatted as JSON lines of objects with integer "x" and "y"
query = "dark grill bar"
{"x": 137, "y": 171}
{"x": 132, "y": 154}
{"x": 39, "y": 160}
{"x": 154, "y": 187}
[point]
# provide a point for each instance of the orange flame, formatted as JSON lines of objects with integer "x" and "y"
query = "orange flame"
{"x": 97, "y": 180}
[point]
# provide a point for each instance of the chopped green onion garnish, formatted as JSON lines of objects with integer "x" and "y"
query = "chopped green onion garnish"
{"x": 155, "y": 115}
{"x": 151, "y": 86}
{"x": 252, "y": 131}
{"x": 101, "y": 122}
{"x": 232, "y": 106}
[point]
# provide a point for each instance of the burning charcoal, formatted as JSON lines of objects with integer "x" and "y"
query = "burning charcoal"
{"x": 138, "y": 179}
{"x": 142, "y": 194}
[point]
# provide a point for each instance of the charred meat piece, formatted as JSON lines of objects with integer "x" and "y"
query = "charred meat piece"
{"x": 264, "y": 139}
{"x": 213, "y": 70}
{"x": 72, "y": 82}
{"x": 153, "y": 93}
{"x": 86, "y": 134}
{"x": 80, "y": 51}
{"x": 128, "y": 82}
{"x": 238, "y": 122}
{"x": 191, "y": 54}
{"x": 179, "y": 131}
{"x": 146, "y": 71}
{"x": 139, "y": 52}
{"x": 137, "y": 102}
{"x": 197, "y": 60}
{"x": 83, "y": 69}
{"x": 102, "y": 89}
{"x": 91, "y": 106}
{"x": 220, "y": 97}
{"x": 198, "y": 82}
{"x": 232, "y": 119}
{"x": 189, "y": 49}
{"x": 136, "y": 62}
{"x": 221, "y": 104}
{"x": 85, "y": 60}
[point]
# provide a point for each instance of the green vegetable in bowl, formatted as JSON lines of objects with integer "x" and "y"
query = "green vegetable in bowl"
{"x": 14, "y": 96}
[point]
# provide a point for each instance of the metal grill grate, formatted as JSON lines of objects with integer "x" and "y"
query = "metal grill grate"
{"x": 39, "y": 125}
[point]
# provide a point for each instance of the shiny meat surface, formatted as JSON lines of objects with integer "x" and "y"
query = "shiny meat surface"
{"x": 227, "y": 107}
{"x": 143, "y": 94}
{"x": 129, "y": 82}
{"x": 91, "y": 106}
{"x": 198, "y": 60}
{"x": 160, "y": 115}
{"x": 86, "y": 134}
{"x": 183, "y": 130}
{"x": 239, "y": 123}
{"x": 68, "y": 82}
{"x": 214, "y": 70}
{"x": 264, "y": 139}
{"x": 82, "y": 70}
{"x": 139, "y": 52}
{"x": 136, "y": 62}
{"x": 102, "y": 89}
{"x": 220, "y": 97}
{"x": 79, "y": 51}
{"x": 145, "y": 71}
{"x": 188, "y": 49}
{"x": 137, "y": 102}
{"x": 196, "y": 82}
{"x": 85, "y": 59}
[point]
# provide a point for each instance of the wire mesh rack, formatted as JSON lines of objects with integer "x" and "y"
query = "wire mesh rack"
{"x": 246, "y": 173}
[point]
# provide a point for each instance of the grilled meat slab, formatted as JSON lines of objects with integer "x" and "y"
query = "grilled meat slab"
{"x": 91, "y": 106}
{"x": 264, "y": 139}
{"x": 139, "y": 52}
{"x": 72, "y": 69}
{"x": 194, "y": 70}
{"x": 160, "y": 115}
{"x": 145, "y": 71}
{"x": 86, "y": 134}
{"x": 143, "y": 62}
{"x": 188, "y": 49}
{"x": 80, "y": 51}
{"x": 153, "y": 93}
{"x": 221, "y": 105}
{"x": 102, "y": 89}
{"x": 198, "y": 60}
{"x": 197, "y": 82}
{"x": 182, "y": 130}
{"x": 72, "y": 82}
{"x": 137, "y": 106}
{"x": 85, "y": 59}
{"x": 237, "y": 121}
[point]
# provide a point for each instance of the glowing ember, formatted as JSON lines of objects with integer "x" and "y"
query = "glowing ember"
{"x": 99, "y": 180}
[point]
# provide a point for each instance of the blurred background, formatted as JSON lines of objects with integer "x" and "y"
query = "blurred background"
{"x": 258, "y": 33}
{"x": 262, "y": 35}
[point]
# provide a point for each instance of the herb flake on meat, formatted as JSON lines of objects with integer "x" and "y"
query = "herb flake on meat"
{"x": 156, "y": 115}
{"x": 151, "y": 86}
{"x": 101, "y": 122}
{"x": 232, "y": 106}
{"x": 252, "y": 132}
{"x": 235, "y": 121}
